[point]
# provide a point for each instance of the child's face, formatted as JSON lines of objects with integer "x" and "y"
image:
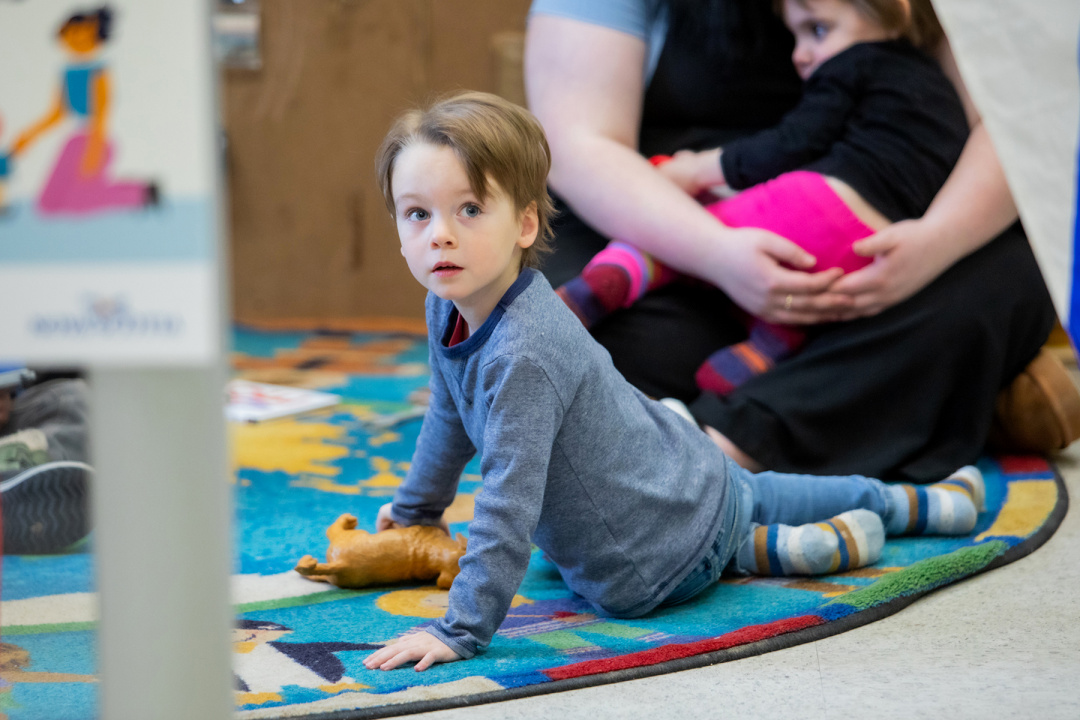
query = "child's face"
{"x": 823, "y": 28}
{"x": 458, "y": 247}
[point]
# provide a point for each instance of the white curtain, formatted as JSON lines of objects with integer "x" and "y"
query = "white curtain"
{"x": 1020, "y": 60}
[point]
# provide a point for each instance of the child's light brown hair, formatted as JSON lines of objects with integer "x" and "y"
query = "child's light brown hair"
{"x": 493, "y": 138}
{"x": 911, "y": 19}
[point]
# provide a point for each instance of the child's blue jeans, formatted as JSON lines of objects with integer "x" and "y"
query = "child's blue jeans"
{"x": 769, "y": 498}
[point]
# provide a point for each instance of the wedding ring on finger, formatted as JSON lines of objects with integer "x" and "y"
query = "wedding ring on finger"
{"x": 787, "y": 302}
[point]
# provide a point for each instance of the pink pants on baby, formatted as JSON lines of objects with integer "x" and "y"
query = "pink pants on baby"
{"x": 801, "y": 207}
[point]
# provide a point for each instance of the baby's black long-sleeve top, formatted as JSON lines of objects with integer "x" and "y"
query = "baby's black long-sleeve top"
{"x": 881, "y": 116}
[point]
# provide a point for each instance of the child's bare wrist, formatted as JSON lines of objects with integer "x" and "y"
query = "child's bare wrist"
{"x": 710, "y": 172}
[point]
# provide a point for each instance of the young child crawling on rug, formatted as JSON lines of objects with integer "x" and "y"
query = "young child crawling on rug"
{"x": 876, "y": 133}
{"x": 631, "y": 501}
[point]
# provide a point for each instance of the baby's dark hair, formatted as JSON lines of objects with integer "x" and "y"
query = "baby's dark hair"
{"x": 912, "y": 19}
{"x": 492, "y": 137}
{"x": 103, "y": 16}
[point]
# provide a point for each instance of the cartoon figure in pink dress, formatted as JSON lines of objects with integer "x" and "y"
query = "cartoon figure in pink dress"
{"x": 79, "y": 182}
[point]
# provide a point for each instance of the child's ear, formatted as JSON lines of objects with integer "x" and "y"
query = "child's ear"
{"x": 530, "y": 226}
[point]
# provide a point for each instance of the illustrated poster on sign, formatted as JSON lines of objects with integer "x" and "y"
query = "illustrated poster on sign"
{"x": 108, "y": 207}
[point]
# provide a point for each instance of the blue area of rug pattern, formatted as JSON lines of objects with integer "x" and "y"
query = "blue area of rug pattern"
{"x": 299, "y": 644}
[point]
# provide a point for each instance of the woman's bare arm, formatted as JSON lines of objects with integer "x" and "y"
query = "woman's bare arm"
{"x": 973, "y": 207}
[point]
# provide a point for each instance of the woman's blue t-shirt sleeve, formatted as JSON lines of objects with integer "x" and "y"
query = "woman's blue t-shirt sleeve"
{"x": 643, "y": 19}
{"x": 633, "y": 17}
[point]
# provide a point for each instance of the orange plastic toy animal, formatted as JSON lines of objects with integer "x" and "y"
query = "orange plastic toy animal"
{"x": 357, "y": 558}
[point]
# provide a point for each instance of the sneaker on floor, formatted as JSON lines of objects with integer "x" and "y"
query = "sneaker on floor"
{"x": 46, "y": 508}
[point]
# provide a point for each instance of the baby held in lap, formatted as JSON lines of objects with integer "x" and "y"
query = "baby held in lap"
{"x": 876, "y": 133}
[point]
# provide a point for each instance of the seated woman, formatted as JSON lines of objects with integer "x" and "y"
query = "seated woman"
{"x": 903, "y": 359}
{"x": 875, "y": 135}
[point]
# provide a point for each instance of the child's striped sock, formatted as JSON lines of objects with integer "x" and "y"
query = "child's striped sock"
{"x": 949, "y": 507}
{"x": 731, "y": 366}
{"x": 615, "y": 278}
{"x": 849, "y": 540}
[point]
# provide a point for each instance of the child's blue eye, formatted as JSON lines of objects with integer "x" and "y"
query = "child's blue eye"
{"x": 416, "y": 214}
{"x": 819, "y": 30}
{"x": 471, "y": 210}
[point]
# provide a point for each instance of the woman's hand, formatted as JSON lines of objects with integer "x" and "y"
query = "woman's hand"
{"x": 750, "y": 267}
{"x": 906, "y": 259}
{"x": 422, "y": 648}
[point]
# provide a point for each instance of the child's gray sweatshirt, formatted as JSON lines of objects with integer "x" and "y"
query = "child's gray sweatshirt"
{"x": 624, "y": 496}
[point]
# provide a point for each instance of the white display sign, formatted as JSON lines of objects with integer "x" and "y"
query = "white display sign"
{"x": 108, "y": 187}
{"x": 1021, "y": 63}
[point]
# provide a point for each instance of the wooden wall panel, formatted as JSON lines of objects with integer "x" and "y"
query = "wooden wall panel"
{"x": 461, "y": 46}
{"x": 310, "y": 234}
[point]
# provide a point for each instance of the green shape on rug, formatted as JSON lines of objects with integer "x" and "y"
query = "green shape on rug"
{"x": 618, "y": 631}
{"x": 561, "y": 640}
{"x": 924, "y": 575}
{"x": 49, "y": 628}
{"x": 318, "y": 598}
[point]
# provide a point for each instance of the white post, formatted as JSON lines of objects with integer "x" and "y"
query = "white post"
{"x": 137, "y": 294}
{"x": 162, "y": 510}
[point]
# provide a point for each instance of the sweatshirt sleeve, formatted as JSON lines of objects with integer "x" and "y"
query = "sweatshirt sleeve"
{"x": 442, "y": 451}
{"x": 804, "y": 134}
{"x": 523, "y": 419}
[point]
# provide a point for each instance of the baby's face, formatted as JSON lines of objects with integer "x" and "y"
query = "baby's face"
{"x": 823, "y": 28}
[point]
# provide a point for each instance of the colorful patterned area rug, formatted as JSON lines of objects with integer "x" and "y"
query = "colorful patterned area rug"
{"x": 299, "y": 645}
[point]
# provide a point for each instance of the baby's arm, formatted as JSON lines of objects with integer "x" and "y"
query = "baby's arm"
{"x": 803, "y": 135}
{"x": 692, "y": 171}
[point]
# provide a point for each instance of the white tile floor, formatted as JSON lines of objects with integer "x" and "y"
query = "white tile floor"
{"x": 1005, "y": 644}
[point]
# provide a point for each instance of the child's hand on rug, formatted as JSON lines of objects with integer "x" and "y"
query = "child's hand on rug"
{"x": 383, "y": 521}
{"x": 422, "y": 648}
